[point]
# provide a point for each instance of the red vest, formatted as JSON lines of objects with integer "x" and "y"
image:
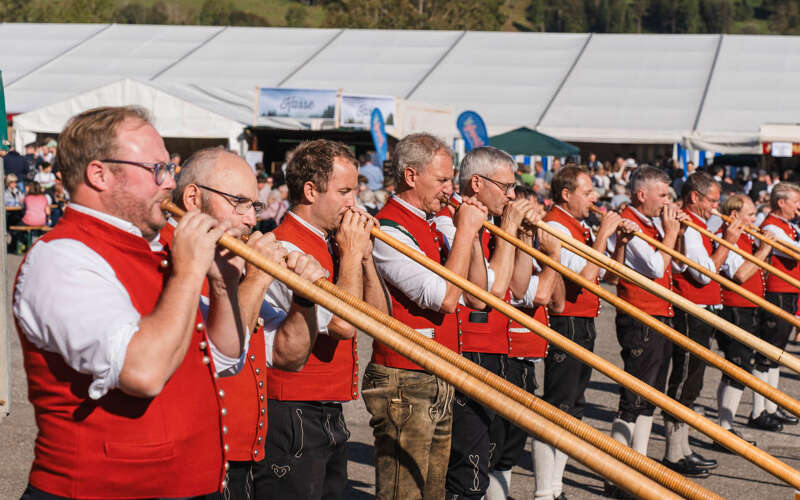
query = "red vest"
{"x": 785, "y": 264}
{"x": 754, "y": 284}
{"x": 431, "y": 242}
{"x": 331, "y": 372}
{"x": 490, "y": 336}
{"x": 122, "y": 446}
{"x": 523, "y": 343}
{"x": 246, "y": 419}
{"x": 686, "y": 286}
{"x": 629, "y": 292}
{"x": 578, "y": 301}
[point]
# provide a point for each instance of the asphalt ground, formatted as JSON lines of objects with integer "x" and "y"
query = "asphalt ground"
{"x": 735, "y": 478}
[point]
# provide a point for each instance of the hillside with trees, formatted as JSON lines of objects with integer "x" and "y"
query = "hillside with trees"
{"x": 599, "y": 16}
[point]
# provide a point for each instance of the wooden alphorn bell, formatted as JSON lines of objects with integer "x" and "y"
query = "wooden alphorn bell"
{"x": 758, "y": 233}
{"x": 729, "y": 284}
{"x": 772, "y": 352}
{"x": 603, "y": 464}
{"x": 714, "y": 431}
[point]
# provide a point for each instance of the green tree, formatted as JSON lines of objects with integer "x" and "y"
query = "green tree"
{"x": 296, "y": 16}
{"x": 136, "y": 13}
{"x": 417, "y": 14}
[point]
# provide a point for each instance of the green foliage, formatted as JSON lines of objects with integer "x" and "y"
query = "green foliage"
{"x": 417, "y": 14}
{"x": 296, "y": 17}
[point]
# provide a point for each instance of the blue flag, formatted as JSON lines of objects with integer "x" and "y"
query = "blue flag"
{"x": 379, "y": 135}
{"x": 4, "y": 144}
{"x": 472, "y": 129}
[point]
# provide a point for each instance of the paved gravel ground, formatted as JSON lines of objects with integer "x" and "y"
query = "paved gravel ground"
{"x": 735, "y": 478}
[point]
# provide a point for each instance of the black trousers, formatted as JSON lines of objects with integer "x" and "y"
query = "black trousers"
{"x": 32, "y": 493}
{"x": 468, "y": 468}
{"x": 506, "y": 440}
{"x": 686, "y": 377}
{"x": 775, "y": 330}
{"x": 646, "y": 355}
{"x": 305, "y": 452}
{"x": 737, "y": 353}
{"x": 566, "y": 378}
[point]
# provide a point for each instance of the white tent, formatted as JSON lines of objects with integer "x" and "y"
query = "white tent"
{"x": 172, "y": 117}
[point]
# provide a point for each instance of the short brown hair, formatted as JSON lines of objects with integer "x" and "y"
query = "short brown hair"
{"x": 90, "y": 136}
{"x": 565, "y": 178}
{"x": 313, "y": 161}
{"x": 735, "y": 203}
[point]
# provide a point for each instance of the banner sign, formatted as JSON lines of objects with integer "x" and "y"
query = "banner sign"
{"x": 781, "y": 149}
{"x": 472, "y": 129}
{"x": 296, "y": 103}
{"x": 357, "y": 110}
{"x": 3, "y": 118}
{"x": 379, "y": 135}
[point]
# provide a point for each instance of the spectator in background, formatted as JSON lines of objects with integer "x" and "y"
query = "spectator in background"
{"x": 524, "y": 174}
{"x": 539, "y": 189}
{"x": 368, "y": 201}
{"x": 601, "y": 181}
{"x": 176, "y": 159}
{"x": 372, "y": 172}
{"x": 49, "y": 153}
{"x": 37, "y": 210}
{"x": 620, "y": 197}
{"x": 677, "y": 184}
{"x": 548, "y": 176}
{"x": 13, "y": 194}
{"x": 14, "y": 163}
{"x": 33, "y": 163}
{"x": 382, "y": 195}
{"x": 593, "y": 163}
{"x": 538, "y": 170}
{"x": 45, "y": 176}
{"x": 275, "y": 209}
{"x": 264, "y": 187}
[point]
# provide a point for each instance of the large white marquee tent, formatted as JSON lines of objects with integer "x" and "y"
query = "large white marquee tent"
{"x": 710, "y": 90}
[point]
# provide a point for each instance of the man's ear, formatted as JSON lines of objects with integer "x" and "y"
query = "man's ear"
{"x": 410, "y": 176}
{"x": 310, "y": 192}
{"x": 475, "y": 183}
{"x": 98, "y": 175}
{"x": 565, "y": 195}
{"x": 192, "y": 197}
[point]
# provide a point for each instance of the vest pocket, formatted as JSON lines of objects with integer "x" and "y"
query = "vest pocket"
{"x": 131, "y": 451}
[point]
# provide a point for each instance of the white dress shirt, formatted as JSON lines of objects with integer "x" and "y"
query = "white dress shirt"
{"x": 448, "y": 229}
{"x": 696, "y": 251}
{"x": 639, "y": 255}
{"x": 573, "y": 261}
{"x": 781, "y": 235}
{"x": 731, "y": 265}
{"x": 423, "y": 287}
{"x": 68, "y": 300}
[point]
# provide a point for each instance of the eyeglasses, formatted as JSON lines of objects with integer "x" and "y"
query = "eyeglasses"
{"x": 505, "y": 187}
{"x": 712, "y": 200}
{"x": 160, "y": 169}
{"x": 240, "y": 203}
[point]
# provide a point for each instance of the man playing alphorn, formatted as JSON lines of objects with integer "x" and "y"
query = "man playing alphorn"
{"x": 784, "y": 203}
{"x": 324, "y": 223}
{"x": 222, "y": 185}
{"x": 412, "y": 410}
{"x": 741, "y": 312}
{"x": 566, "y": 378}
{"x": 645, "y": 353}
{"x": 700, "y": 195}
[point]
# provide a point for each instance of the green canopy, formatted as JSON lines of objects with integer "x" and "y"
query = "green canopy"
{"x": 3, "y": 122}
{"x": 524, "y": 141}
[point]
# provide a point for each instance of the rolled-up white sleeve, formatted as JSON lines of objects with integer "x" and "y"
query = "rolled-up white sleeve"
{"x": 731, "y": 265}
{"x": 423, "y": 287}
{"x": 696, "y": 252}
{"x": 781, "y": 236}
{"x": 573, "y": 261}
{"x": 530, "y": 294}
{"x": 68, "y": 300}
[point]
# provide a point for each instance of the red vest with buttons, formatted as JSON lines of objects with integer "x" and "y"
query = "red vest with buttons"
{"x": 245, "y": 426}
{"x": 331, "y": 372}
{"x": 629, "y": 292}
{"x": 710, "y": 294}
{"x": 754, "y": 284}
{"x": 578, "y": 302}
{"x": 492, "y": 335}
{"x": 523, "y": 343}
{"x": 121, "y": 446}
{"x": 785, "y": 264}
{"x": 431, "y": 242}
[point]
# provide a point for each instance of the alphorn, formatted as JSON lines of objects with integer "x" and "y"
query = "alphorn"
{"x": 603, "y": 464}
{"x": 772, "y": 352}
{"x": 733, "y": 248}
{"x": 729, "y": 284}
{"x": 758, "y": 233}
{"x": 714, "y": 431}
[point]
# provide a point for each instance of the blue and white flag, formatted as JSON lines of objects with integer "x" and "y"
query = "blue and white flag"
{"x": 379, "y": 135}
{"x": 472, "y": 129}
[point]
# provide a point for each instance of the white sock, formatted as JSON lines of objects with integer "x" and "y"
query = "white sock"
{"x": 558, "y": 472}
{"x": 674, "y": 449}
{"x": 687, "y": 450}
{"x": 728, "y": 398}
{"x": 641, "y": 433}
{"x": 773, "y": 376}
{"x": 622, "y": 431}
{"x": 499, "y": 485}
{"x": 758, "y": 399}
{"x": 544, "y": 458}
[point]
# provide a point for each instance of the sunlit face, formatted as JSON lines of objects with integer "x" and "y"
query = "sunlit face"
{"x": 330, "y": 206}
{"x": 708, "y": 202}
{"x": 434, "y": 182}
{"x": 232, "y": 175}
{"x": 492, "y": 194}
{"x": 133, "y": 193}
{"x": 652, "y": 198}
{"x": 789, "y": 207}
{"x": 579, "y": 202}
{"x": 747, "y": 213}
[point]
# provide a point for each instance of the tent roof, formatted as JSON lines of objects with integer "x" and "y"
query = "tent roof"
{"x": 579, "y": 87}
{"x": 524, "y": 141}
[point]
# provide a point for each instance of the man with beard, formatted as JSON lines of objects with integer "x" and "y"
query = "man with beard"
{"x": 222, "y": 185}
{"x": 307, "y": 438}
